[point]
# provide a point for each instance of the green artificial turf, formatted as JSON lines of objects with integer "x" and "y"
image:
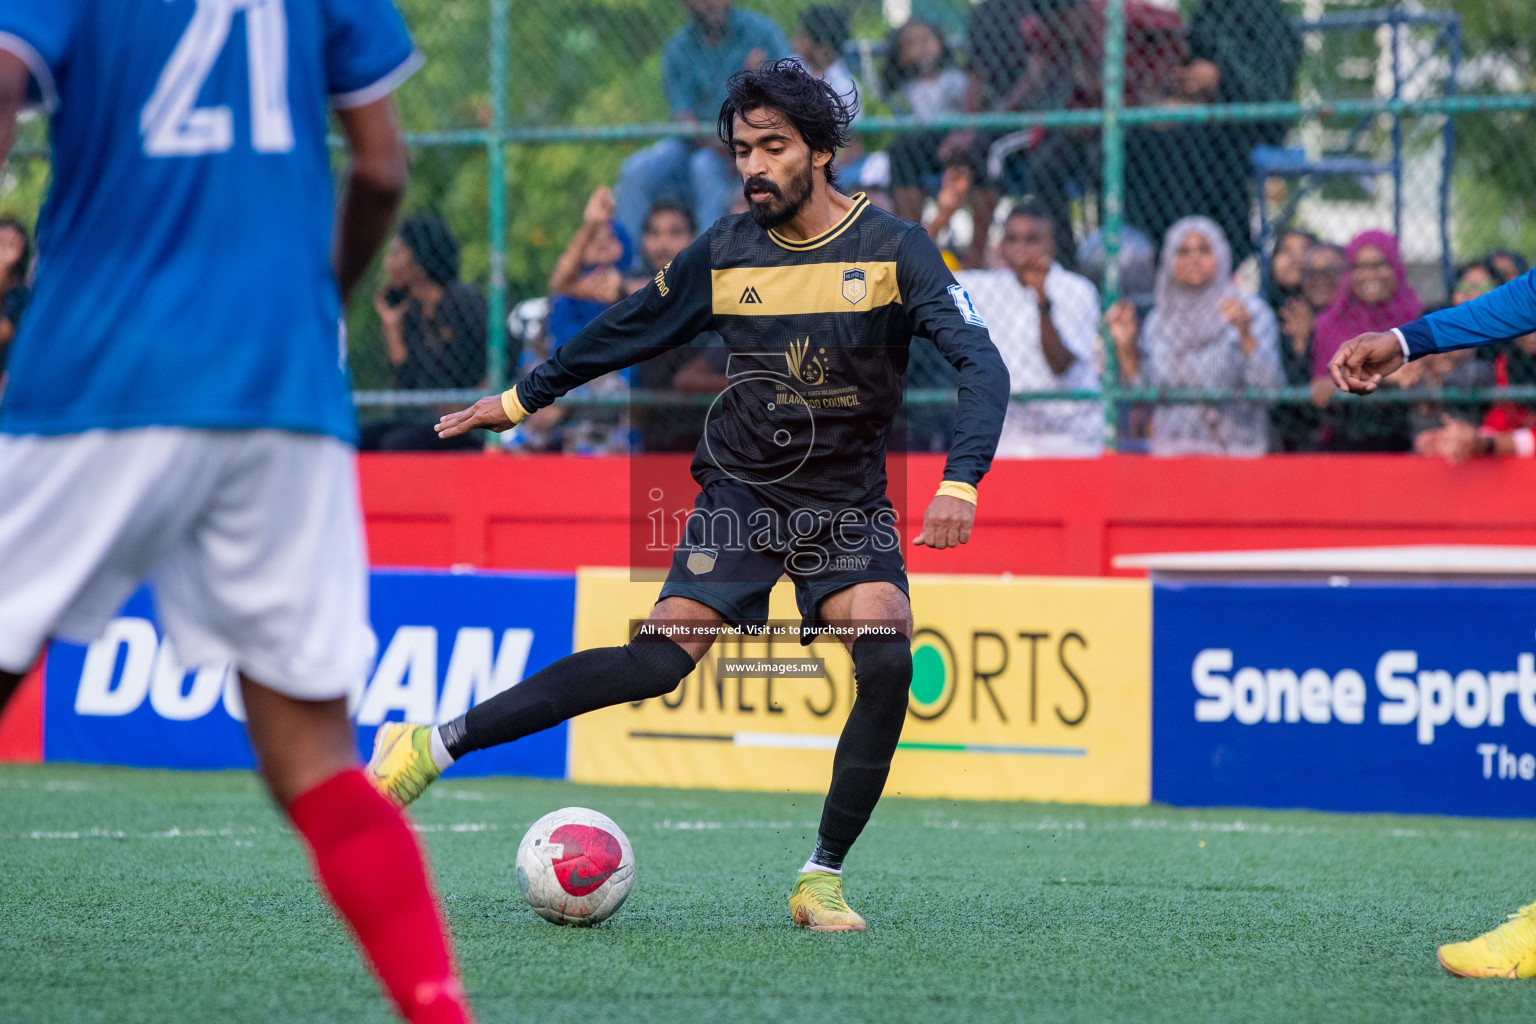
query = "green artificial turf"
{"x": 158, "y": 896}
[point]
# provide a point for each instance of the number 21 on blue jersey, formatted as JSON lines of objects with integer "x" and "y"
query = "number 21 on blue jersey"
{"x": 173, "y": 125}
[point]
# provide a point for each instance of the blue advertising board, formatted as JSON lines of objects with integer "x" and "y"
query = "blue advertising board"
{"x": 1404, "y": 698}
{"x": 447, "y": 641}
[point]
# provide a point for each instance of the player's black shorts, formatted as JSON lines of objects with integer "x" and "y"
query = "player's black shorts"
{"x": 739, "y": 540}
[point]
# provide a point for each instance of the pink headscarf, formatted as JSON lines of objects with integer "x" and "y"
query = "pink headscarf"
{"x": 1348, "y": 317}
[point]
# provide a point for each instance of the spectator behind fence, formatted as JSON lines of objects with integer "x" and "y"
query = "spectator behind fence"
{"x": 717, "y": 41}
{"x": 1285, "y": 266}
{"x": 954, "y": 188}
{"x": 697, "y": 368}
{"x": 920, "y": 80}
{"x": 1506, "y": 264}
{"x": 668, "y": 229}
{"x": 1202, "y": 334}
{"x": 1138, "y": 263}
{"x": 1515, "y": 361}
{"x": 1505, "y": 428}
{"x": 820, "y": 36}
{"x": 1241, "y": 51}
{"x": 1045, "y": 323}
{"x": 996, "y": 61}
{"x": 1374, "y": 295}
{"x": 434, "y": 331}
{"x": 1046, "y": 55}
{"x": 1296, "y": 427}
{"x": 1460, "y": 370}
{"x": 15, "y": 262}
{"x": 587, "y": 279}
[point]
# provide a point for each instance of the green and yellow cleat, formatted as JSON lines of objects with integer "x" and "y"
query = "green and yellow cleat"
{"x": 1509, "y": 951}
{"x": 401, "y": 766}
{"x": 817, "y": 903}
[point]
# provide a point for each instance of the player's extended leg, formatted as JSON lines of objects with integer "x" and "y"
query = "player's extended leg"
{"x": 882, "y": 668}
{"x": 361, "y": 850}
{"x": 408, "y": 758}
{"x": 9, "y": 682}
{"x": 1509, "y": 951}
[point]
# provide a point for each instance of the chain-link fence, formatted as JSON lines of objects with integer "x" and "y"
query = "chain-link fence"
{"x": 1169, "y": 214}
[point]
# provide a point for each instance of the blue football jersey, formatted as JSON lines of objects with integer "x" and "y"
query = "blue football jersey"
{"x": 184, "y": 274}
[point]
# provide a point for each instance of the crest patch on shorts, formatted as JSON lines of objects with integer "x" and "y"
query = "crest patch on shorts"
{"x": 701, "y": 560}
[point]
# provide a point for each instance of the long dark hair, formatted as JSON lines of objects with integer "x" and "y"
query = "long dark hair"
{"x": 811, "y": 106}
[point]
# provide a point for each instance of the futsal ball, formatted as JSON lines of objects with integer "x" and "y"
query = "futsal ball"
{"x": 575, "y": 867}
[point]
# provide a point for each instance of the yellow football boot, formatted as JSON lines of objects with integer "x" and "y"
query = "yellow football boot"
{"x": 817, "y": 903}
{"x": 401, "y": 766}
{"x": 1509, "y": 951}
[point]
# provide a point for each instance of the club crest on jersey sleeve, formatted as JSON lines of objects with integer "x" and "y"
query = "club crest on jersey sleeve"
{"x": 967, "y": 308}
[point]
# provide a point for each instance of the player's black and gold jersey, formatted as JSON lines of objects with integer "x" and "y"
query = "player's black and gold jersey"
{"x": 818, "y": 333}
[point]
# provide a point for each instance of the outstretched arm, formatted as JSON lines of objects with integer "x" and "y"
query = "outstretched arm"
{"x": 1504, "y": 313}
{"x": 668, "y": 312}
{"x": 939, "y": 309}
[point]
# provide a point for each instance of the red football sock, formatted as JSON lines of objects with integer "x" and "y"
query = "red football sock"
{"x": 369, "y": 864}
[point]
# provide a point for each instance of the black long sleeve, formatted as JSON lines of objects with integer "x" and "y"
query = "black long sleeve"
{"x": 667, "y": 313}
{"x": 939, "y": 309}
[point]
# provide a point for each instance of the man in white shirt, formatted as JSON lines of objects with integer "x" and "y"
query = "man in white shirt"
{"x": 1044, "y": 320}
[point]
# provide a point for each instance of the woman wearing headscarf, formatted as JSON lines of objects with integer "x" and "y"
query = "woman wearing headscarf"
{"x": 1374, "y": 295}
{"x": 1202, "y": 334}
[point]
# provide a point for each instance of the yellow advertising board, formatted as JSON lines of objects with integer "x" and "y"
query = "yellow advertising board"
{"x": 1022, "y": 689}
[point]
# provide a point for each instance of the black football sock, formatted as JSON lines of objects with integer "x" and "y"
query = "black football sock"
{"x": 882, "y": 670}
{"x": 584, "y": 681}
{"x": 10, "y": 682}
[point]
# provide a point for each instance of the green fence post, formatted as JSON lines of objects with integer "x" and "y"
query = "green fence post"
{"x": 1114, "y": 190}
{"x": 496, "y": 153}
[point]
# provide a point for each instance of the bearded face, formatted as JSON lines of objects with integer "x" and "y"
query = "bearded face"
{"x": 773, "y": 203}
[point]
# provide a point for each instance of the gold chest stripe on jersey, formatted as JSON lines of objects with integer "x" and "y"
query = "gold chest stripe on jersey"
{"x": 813, "y": 288}
{"x": 860, "y": 201}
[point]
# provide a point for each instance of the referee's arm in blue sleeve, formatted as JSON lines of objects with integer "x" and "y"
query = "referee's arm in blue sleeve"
{"x": 1504, "y": 313}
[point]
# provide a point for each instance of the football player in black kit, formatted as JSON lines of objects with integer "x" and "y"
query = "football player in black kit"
{"x": 818, "y": 296}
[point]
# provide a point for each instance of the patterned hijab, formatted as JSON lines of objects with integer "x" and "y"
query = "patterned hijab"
{"x": 1348, "y": 317}
{"x": 1189, "y": 320}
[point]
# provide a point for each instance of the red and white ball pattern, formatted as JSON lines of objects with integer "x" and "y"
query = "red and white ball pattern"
{"x": 575, "y": 866}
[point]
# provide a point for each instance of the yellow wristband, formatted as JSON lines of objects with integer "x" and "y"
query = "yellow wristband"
{"x": 512, "y": 406}
{"x": 956, "y": 489}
